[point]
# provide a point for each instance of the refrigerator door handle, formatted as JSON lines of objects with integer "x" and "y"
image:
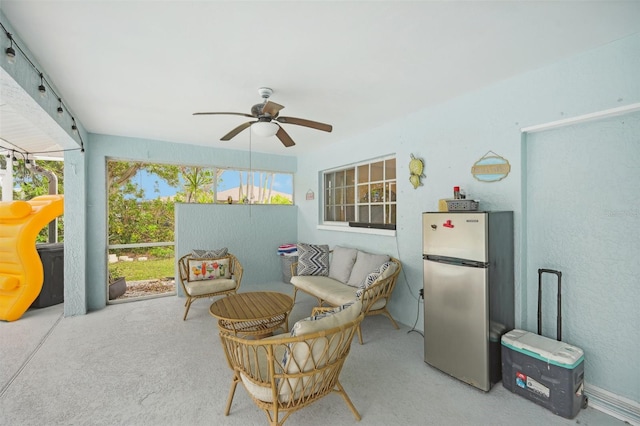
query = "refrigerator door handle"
{"x": 455, "y": 261}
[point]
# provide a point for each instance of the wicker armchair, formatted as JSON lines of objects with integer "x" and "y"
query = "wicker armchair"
{"x": 375, "y": 298}
{"x": 285, "y": 374}
{"x": 196, "y": 288}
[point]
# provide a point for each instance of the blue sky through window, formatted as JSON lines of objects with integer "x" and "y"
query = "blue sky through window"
{"x": 155, "y": 187}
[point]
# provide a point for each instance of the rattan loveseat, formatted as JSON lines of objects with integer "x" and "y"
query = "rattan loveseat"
{"x": 337, "y": 287}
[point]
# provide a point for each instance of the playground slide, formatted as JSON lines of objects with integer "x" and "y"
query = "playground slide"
{"x": 21, "y": 272}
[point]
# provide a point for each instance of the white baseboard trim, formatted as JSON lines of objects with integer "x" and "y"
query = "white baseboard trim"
{"x": 615, "y": 405}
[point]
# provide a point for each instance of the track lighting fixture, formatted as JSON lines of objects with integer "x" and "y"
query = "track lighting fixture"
{"x": 41, "y": 88}
{"x": 10, "y": 51}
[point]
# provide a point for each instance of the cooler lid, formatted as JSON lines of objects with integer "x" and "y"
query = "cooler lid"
{"x": 548, "y": 350}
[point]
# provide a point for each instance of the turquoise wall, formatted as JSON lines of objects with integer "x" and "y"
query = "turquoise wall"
{"x": 585, "y": 222}
{"x": 450, "y": 137}
{"x": 251, "y": 232}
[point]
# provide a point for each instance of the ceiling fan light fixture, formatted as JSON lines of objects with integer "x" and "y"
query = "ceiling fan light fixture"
{"x": 265, "y": 128}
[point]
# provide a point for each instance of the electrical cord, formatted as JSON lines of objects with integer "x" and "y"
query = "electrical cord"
{"x": 404, "y": 275}
{"x": 414, "y": 324}
{"x": 413, "y": 329}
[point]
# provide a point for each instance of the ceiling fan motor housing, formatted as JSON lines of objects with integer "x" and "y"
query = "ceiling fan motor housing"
{"x": 256, "y": 111}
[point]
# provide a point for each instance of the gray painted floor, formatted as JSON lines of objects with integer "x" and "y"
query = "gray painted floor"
{"x": 138, "y": 363}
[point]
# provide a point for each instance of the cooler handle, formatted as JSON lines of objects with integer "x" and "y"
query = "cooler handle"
{"x": 559, "y": 320}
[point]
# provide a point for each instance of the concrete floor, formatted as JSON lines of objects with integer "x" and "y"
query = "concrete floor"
{"x": 138, "y": 363}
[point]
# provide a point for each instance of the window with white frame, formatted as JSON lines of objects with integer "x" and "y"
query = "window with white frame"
{"x": 361, "y": 194}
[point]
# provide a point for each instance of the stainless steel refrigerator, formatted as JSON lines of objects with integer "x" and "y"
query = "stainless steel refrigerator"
{"x": 468, "y": 292}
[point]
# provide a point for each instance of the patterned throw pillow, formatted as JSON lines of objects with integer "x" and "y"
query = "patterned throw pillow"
{"x": 208, "y": 269}
{"x": 313, "y": 259}
{"x": 209, "y": 254}
{"x": 383, "y": 271}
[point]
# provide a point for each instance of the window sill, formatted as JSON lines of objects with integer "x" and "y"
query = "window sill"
{"x": 370, "y": 231}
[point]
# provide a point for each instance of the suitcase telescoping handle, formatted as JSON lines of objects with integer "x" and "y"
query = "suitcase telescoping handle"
{"x": 559, "y": 320}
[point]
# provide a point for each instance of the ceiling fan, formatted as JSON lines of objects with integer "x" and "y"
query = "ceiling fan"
{"x": 268, "y": 119}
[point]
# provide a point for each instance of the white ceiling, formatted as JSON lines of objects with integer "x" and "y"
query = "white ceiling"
{"x": 141, "y": 68}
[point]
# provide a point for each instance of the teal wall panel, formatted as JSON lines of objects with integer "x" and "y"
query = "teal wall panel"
{"x": 251, "y": 232}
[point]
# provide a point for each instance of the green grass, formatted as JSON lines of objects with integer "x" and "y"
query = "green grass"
{"x": 147, "y": 270}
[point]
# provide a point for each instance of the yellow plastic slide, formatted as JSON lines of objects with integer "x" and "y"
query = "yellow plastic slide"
{"x": 21, "y": 272}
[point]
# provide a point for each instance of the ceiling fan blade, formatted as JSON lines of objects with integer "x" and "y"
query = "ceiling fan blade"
{"x": 285, "y": 138}
{"x": 271, "y": 108}
{"x": 237, "y": 130}
{"x": 307, "y": 123}
{"x": 223, "y": 113}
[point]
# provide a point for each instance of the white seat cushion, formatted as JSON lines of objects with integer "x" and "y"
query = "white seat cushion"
{"x": 330, "y": 290}
{"x": 198, "y": 288}
{"x": 311, "y": 355}
{"x": 334, "y": 292}
{"x": 263, "y": 393}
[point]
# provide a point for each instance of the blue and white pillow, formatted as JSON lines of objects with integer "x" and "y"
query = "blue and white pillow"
{"x": 383, "y": 271}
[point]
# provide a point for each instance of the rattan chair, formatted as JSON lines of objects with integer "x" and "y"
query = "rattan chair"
{"x": 375, "y": 298}
{"x": 285, "y": 374}
{"x": 200, "y": 288}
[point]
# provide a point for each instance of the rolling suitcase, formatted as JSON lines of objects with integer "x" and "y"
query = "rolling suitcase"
{"x": 546, "y": 371}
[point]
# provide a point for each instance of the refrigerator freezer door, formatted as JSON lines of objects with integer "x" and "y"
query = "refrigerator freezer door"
{"x": 458, "y": 235}
{"x": 456, "y": 321}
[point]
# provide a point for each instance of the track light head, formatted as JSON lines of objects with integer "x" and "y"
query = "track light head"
{"x": 60, "y": 110}
{"x": 11, "y": 54}
{"x": 41, "y": 88}
{"x": 10, "y": 51}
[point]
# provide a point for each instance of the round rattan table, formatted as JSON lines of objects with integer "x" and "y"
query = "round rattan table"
{"x": 257, "y": 313}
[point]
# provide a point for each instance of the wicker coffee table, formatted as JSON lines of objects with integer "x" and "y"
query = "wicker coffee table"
{"x": 257, "y": 313}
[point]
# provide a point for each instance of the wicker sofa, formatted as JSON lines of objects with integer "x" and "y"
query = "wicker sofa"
{"x": 351, "y": 274}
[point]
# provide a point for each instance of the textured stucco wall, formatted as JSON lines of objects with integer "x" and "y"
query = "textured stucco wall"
{"x": 584, "y": 219}
{"x": 450, "y": 138}
{"x": 251, "y": 233}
